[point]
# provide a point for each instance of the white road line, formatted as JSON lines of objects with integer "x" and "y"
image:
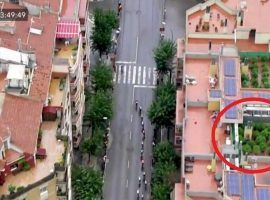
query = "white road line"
{"x": 119, "y": 74}
{"x": 149, "y": 76}
{"x": 125, "y": 76}
{"x": 124, "y": 62}
{"x": 130, "y": 135}
{"x": 131, "y": 117}
{"x": 134, "y": 75}
{"x": 154, "y": 76}
{"x": 129, "y": 74}
{"x": 137, "y": 44}
{"x": 127, "y": 183}
{"x": 128, "y": 164}
{"x": 114, "y": 77}
{"x": 144, "y": 86}
{"x": 144, "y": 74}
{"x": 139, "y": 75}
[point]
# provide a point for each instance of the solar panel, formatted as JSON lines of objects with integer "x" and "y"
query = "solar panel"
{"x": 264, "y": 95}
{"x": 232, "y": 112}
{"x": 233, "y": 184}
{"x": 229, "y": 68}
{"x": 247, "y": 94}
{"x": 215, "y": 93}
{"x": 263, "y": 194}
{"x": 248, "y": 187}
{"x": 230, "y": 87}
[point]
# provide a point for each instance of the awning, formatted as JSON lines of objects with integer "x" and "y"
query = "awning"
{"x": 68, "y": 28}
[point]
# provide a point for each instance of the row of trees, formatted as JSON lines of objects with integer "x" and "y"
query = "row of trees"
{"x": 164, "y": 168}
{"x": 105, "y": 21}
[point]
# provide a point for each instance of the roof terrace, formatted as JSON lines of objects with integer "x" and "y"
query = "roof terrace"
{"x": 43, "y": 167}
{"x": 57, "y": 91}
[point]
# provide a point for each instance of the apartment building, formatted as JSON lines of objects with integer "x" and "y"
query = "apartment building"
{"x": 42, "y": 98}
{"x": 220, "y": 36}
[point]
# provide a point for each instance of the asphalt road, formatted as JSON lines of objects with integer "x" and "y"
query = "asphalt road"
{"x": 140, "y": 23}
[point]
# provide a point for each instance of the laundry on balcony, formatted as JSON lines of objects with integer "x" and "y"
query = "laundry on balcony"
{"x": 41, "y": 153}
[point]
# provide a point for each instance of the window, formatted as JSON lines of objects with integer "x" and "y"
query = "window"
{"x": 44, "y": 193}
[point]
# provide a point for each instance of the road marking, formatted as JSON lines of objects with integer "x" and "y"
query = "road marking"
{"x": 134, "y": 75}
{"x": 114, "y": 76}
{"x": 139, "y": 75}
{"x": 154, "y": 76}
{"x": 119, "y": 74}
{"x": 124, "y": 62}
{"x": 127, "y": 183}
{"x": 131, "y": 117}
{"x": 130, "y": 135}
{"x": 144, "y": 74}
{"x": 149, "y": 76}
{"x": 144, "y": 86}
{"x": 137, "y": 44}
{"x": 129, "y": 74}
{"x": 128, "y": 163}
{"x": 125, "y": 77}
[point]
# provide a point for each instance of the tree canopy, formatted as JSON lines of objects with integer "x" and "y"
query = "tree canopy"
{"x": 101, "y": 77}
{"x": 162, "y": 110}
{"x": 164, "y": 54}
{"x": 87, "y": 183}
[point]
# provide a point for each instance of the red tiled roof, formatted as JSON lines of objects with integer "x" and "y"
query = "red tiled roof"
{"x": 4, "y": 132}
{"x": 68, "y": 28}
{"x": 53, "y": 4}
{"x": 23, "y": 117}
{"x": 12, "y": 155}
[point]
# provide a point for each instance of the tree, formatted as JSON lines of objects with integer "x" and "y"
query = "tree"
{"x": 11, "y": 189}
{"x": 98, "y": 107}
{"x": 161, "y": 191}
{"x": 102, "y": 77}
{"x": 164, "y": 152}
{"x": 105, "y": 22}
{"x": 256, "y": 149}
{"x": 162, "y": 110}
{"x": 163, "y": 56}
{"x": 87, "y": 183}
{"x": 94, "y": 145}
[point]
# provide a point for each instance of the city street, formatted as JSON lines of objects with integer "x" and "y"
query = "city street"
{"x": 135, "y": 79}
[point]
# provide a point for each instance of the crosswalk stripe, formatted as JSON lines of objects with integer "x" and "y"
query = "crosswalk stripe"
{"x": 114, "y": 77}
{"x": 139, "y": 75}
{"x": 149, "y": 76}
{"x": 134, "y": 75}
{"x": 154, "y": 76}
{"x": 129, "y": 74}
{"x": 144, "y": 74}
{"x": 119, "y": 74}
{"x": 124, "y": 72}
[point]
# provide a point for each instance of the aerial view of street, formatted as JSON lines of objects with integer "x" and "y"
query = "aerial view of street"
{"x": 134, "y": 100}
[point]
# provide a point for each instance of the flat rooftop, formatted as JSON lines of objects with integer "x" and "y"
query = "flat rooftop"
{"x": 43, "y": 168}
{"x": 57, "y": 91}
{"x": 199, "y": 69}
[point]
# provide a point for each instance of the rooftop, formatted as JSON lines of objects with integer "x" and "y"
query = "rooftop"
{"x": 43, "y": 168}
{"x": 57, "y": 90}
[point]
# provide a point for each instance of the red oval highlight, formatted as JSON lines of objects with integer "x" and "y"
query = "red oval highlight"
{"x": 214, "y": 142}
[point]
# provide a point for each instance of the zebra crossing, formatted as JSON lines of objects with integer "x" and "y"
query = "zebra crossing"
{"x": 135, "y": 75}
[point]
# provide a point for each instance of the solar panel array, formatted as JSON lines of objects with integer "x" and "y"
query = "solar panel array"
{"x": 247, "y": 187}
{"x": 263, "y": 194}
{"x": 215, "y": 93}
{"x": 230, "y": 87}
{"x": 232, "y": 112}
{"x": 229, "y": 68}
{"x": 247, "y": 94}
{"x": 264, "y": 95}
{"x": 233, "y": 184}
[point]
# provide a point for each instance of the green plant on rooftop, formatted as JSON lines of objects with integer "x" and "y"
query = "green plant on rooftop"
{"x": 256, "y": 149}
{"x": 247, "y": 149}
{"x": 101, "y": 77}
{"x": 264, "y": 58}
{"x": 11, "y": 189}
{"x": 87, "y": 183}
{"x": 244, "y": 80}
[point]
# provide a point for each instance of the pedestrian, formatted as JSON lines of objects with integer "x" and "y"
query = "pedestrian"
{"x": 140, "y": 110}
{"x": 119, "y": 8}
{"x": 136, "y": 104}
